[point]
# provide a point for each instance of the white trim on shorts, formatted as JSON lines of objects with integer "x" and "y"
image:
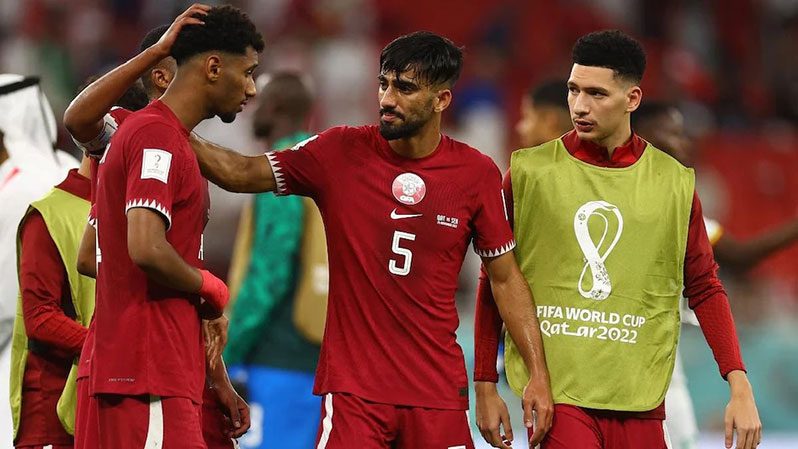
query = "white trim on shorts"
{"x": 155, "y": 424}
{"x": 326, "y": 423}
{"x": 668, "y": 444}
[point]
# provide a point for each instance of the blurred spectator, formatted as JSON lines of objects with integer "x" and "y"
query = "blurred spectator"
{"x": 279, "y": 279}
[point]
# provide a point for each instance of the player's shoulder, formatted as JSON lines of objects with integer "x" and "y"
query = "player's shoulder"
{"x": 537, "y": 150}
{"x": 469, "y": 156}
{"x": 149, "y": 123}
{"x": 118, "y": 114}
{"x": 666, "y": 160}
{"x": 355, "y": 133}
{"x": 337, "y": 138}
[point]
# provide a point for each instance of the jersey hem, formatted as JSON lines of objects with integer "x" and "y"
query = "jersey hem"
{"x": 278, "y": 173}
{"x": 153, "y": 205}
{"x": 495, "y": 252}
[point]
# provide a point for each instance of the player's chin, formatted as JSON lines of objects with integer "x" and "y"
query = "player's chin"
{"x": 228, "y": 117}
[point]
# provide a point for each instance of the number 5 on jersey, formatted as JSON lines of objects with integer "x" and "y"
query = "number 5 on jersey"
{"x": 393, "y": 265}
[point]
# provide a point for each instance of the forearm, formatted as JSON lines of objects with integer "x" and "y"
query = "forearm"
{"x": 487, "y": 332}
{"x": 217, "y": 374}
{"x": 84, "y": 116}
{"x": 56, "y": 330}
{"x": 517, "y": 308}
{"x": 232, "y": 171}
{"x": 743, "y": 255}
{"x": 164, "y": 265}
{"x": 715, "y": 318}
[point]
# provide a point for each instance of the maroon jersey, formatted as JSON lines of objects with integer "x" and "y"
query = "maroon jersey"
{"x": 397, "y": 232}
{"x": 111, "y": 122}
{"x": 148, "y": 336}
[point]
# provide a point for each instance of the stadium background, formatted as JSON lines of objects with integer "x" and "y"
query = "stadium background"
{"x": 730, "y": 65}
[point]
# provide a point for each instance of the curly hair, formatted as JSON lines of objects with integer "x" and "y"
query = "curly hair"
{"x": 435, "y": 59}
{"x": 226, "y": 29}
{"x": 611, "y": 49}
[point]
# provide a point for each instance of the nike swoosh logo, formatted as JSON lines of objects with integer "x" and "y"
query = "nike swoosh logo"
{"x": 396, "y": 216}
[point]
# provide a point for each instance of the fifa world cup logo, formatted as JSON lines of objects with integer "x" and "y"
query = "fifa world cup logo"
{"x": 599, "y": 279}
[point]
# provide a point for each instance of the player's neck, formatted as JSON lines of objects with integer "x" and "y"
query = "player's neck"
{"x": 616, "y": 139}
{"x": 185, "y": 103}
{"x": 420, "y": 145}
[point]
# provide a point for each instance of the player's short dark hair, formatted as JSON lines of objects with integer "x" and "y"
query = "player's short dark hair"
{"x": 149, "y": 40}
{"x": 611, "y": 49}
{"x": 650, "y": 110}
{"x": 134, "y": 98}
{"x": 226, "y": 28}
{"x": 152, "y": 37}
{"x": 553, "y": 92}
{"x": 435, "y": 59}
{"x": 291, "y": 96}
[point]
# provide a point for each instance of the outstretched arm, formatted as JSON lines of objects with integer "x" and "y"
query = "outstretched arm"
{"x": 84, "y": 116}
{"x": 233, "y": 171}
{"x": 741, "y": 256}
{"x": 517, "y": 308}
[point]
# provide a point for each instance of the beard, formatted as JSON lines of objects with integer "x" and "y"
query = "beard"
{"x": 227, "y": 117}
{"x": 408, "y": 128}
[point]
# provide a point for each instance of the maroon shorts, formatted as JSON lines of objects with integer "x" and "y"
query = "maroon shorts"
{"x": 577, "y": 428}
{"x": 135, "y": 422}
{"x": 85, "y": 417}
{"x": 49, "y": 446}
{"x": 349, "y": 421}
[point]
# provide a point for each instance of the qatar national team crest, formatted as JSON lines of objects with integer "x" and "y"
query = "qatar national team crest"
{"x": 409, "y": 188}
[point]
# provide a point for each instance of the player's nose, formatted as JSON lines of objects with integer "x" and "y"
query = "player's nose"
{"x": 388, "y": 98}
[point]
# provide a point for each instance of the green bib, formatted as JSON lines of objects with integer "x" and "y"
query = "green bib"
{"x": 65, "y": 216}
{"x": 603, "y": 252}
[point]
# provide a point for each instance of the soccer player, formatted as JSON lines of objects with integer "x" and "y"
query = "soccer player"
{"x": 662, "y": 124}
{"x": 151, "y": 207}
{"x": 277, "y": 319}
{"x": 609, "y": 230}
{"x": 544, "y": 113}
{"x": 400, "y": 204}
{"x": 54, "y": 308}
{"x": 87, "y": 120}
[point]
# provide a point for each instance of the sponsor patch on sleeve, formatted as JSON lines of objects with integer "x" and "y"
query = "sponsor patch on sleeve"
{"x": 155, "y": 164}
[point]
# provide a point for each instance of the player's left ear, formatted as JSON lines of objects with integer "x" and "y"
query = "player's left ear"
{"x": 213, "y": 67}
{"x": 442, "y": 100}
{"x": 633, "y": 98}
{"x": 161, "y": 77}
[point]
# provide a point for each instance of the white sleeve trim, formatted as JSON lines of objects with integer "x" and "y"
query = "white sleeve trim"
{"x": 278, "y": 173}
{"x": 150, "y": 204}
{"x": 93, "y": 222}
{"x": 95, "y": 148}
{"x": 507, "y": 247}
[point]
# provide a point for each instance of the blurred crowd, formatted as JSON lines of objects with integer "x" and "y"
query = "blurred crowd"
{"x": 730, "y": 66}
